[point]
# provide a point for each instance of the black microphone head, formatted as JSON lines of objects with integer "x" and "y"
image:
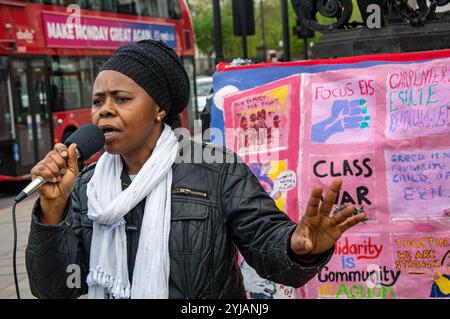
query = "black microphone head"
{"x": 89, "y": 139}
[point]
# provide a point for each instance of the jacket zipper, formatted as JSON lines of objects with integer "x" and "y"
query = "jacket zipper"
{"x": 189, "y": 192}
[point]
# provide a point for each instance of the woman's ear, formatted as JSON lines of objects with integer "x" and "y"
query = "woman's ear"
{"x": 161, "y": 115}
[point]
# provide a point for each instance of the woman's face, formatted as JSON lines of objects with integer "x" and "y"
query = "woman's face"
{"x": 244, "y": 123}
{"x": 125, "y": 112}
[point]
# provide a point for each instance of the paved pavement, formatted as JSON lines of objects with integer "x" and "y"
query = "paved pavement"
{"x": 8, "y": 190}
{"x": 23, "y": 217}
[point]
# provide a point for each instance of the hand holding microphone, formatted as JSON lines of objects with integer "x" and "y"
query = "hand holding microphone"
{"x": 55, "y": 175}
{"x": 58, "y": 169}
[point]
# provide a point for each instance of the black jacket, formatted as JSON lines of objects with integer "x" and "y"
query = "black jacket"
{"x": 217, "y": 208}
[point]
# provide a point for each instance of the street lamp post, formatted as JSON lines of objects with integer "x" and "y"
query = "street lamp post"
{"x": 285, "y": 22}
{"x": 243, "y": 17}
{"x": 263, "y": 33}
{"x": 218, "y": 47}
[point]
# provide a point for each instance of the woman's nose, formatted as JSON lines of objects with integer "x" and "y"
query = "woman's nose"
{"x": 107, "y": 109}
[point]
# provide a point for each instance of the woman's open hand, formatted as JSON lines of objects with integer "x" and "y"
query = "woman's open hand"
{"x": 318, "y": 231}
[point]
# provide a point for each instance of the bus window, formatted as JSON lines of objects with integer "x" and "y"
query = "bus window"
{"x": 39, "y": 102}
{"x": 71, "y": 82}
{"x": 56, "y": 2}
{"x": 127, "y": 7}
{"x": 40, "y": 88}
{"x": 98, "y": 62}
{"x": 150, "y": 8}
{"x": 95, "y": 5}
{"x": 101, "y": 5}
{"x": 21, "y": 86}
{"x": 5, "y": 114}
{"x": 23, "y": 112}
{"x": 87, "y": 76}
{"x": 174, "y": 9}
{"x": 160, "y": 8}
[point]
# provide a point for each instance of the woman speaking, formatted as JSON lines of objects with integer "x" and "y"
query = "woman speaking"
{"x": 141, "y": 224}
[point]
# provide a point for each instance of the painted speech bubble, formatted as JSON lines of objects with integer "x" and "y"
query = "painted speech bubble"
{"x": 284, "y": 182}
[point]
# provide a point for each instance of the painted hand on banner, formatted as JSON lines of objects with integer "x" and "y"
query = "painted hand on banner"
{"x": 318, "y": 230}
{"x": 344, "y": 115}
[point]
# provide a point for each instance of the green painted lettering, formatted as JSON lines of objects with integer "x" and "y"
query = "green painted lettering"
{"x": 430, "y": 94}
{"x": 391, "y": 102}
{"x": 342, "y": 289}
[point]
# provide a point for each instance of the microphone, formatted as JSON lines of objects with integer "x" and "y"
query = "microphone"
{"x": 89, "y": 139}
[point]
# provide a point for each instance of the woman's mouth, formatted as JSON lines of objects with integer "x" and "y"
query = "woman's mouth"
{"x": 110, "y": 134}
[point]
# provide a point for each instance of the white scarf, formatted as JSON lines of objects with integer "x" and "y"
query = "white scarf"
{"x": 107, "y": 204}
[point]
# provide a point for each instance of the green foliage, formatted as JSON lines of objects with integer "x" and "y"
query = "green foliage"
{"x": 202, "y": 17}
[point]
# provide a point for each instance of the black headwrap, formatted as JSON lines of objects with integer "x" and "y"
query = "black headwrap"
{"x": 157, "y": 69}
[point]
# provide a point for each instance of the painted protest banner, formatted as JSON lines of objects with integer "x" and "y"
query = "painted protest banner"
{"x": 424, "y": 260}
{"x": 357, "y": 172}
{"x": 260, "y": 288}
{"x": 257, "y": 128}
{"x": 355, "y": 272}
{"x": 418, "y": 183}
{"x": 383, "y": 266}
{"x": 342, "y": 110}
{"x": 417, "y": 169}
{"x": 418, "y": 100}
{"x": 383, "y": 129}
{"x": 259, "y": 119}
{"x": 339, "y": 111}
{"x": 258, "y": 123}
{"x": 272, "y": 176}
{"x": 232, "y": 79}
{"x": 392, "y": 179}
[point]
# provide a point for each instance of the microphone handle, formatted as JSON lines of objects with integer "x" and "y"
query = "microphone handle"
{"x": 34, "y": 185}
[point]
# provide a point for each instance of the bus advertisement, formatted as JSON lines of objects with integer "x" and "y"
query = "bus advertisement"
{"x": 50, "y": 52}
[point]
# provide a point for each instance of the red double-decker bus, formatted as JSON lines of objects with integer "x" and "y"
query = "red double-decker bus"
{"x": 50, "y": 51}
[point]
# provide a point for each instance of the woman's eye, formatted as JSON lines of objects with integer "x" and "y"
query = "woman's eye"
{"x": 96, "y": 102}
{"x": 121, "y": 99}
